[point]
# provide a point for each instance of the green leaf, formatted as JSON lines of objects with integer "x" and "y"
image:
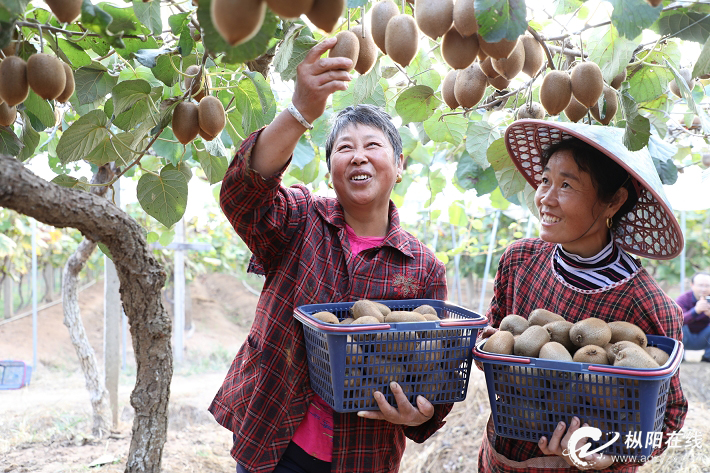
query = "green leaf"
{"x": 610, "y": 51}
{"x": 82, "y": 137}
{"x": 214, "y": 167}
{"x": 136, "y": 114}
{"x": 288, "y": 61}
{"x": 457, "y": 214}
{"x": 365, "y": 86}
{"x": 631, "y": 17}
{"x": 470, "y": 175}
{"x": 133, "y": 45}
{"x": 66, "y": 180}
{"x": 7, "y": 246}
{"x": 149, "y": 57}
{"x": 346, "y": 98}
{"x": 562, "y": 7}
{"x": 165, "y": 72}
{"x": 648, "y": 82}
{"x": 702, "y": 65}
{"x": 479, "y": 136}
{"x": 252, "y": 49}
{"x": 112, "y": 148}
{"x": 97, "y": 21}
{"x": 41, "y": 109}
{"x": 638, "y": 127}
{"x": 186, "y": 43}
{"x": 169, "y": 148}
{"x": 303, "y": 154}
{"x": 422, "y": 72}
{"x": 16, "y": 7}
{"x": 75, "y": 53}
{"x": 123, "y": 20}
{"x": 30, "y": 138}
{"x": 166, "y": 237}
{"x": 9, "y": 142}
{"x": 127, "y": 93}
{"x": 149, "y": 14}
{"x": 690, "y": 100}
{"x": 178, "y": 21}
{"x": 498, "y": 199}
{"x": 92, "y": 83}
{"x": 151, "y": 237}
{"x": 416, "y": 104}
{"x": 684, "y": 23}
{"x": 451, "y": 128}
{"x": 437, "y": 183}
{"x": 163, "y": 197}
{"x": 498, "y": 19}
{"x": 255, "y": 101}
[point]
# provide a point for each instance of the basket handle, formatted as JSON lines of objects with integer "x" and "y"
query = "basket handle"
{"x": 634, "y": 371}
{"x": 463, "y": 322}
{"x": 338, "y": 328}
{"x": 496, "y": 357}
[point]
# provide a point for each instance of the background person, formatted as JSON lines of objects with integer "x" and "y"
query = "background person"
{"x": 594, "y": 199}
{"x": 320, "y": 250}
{"x": 696, "y": 314}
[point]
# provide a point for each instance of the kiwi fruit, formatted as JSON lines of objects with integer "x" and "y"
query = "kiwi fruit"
{"x": 514, "y": 324}
{"x": 347, "y": 321}
{"x": 366, "y": 308}
{"x": 618, "y": 79}
{"x": 587, "y": 83}
{"x": 206, "y": 136}
{"x": 367, "y": 51}
{"x": 66, "y": 11}
{"x": 593, "y": 354}
{"x": 487, "y": 68}
{"x": 402, "y": 39}
{"x": 290, "y": 8}
{"x": 627, "y": 331}
{"x": 611, "y": 107}
{"x": 559, "y": 332}
{"x": 194, "y": 80}
{"x": 635, "y": 358}
{"x": 556, "y": 92}
{"x": 531, "y": 341}
{"x": 7, "y": 114}
{"x": 575, "y": 111}
{"x": 498, "y": 50}
{"x": 326, "y": 13}
{"x": 501, "y": 342}
{"x": 404, "y": 316}
{"x": 353, "y": 352}
{"x": 543, "y": 317}
{"x": 610, "y": 355}
{"x": 654, "y": 3}
{"x": 510, "y": 66}
{"x": 325, "y": 316}
{"x": 465, "y": 17}
{"x": 69, "y": 84}
{"x": 554, "y": 351}
{"x": 365, "y": 320}
{"x": 380, "y": 15}
{"x": 14, "y": 87}
{"x": 426, "y": 309}
{"x": 459, "y": 51}
{"x": 237, "y": 21}
{"x": 499, "y": 82}
{"x": 686, "y": 74}
{"x": 470, "y": 86}
{"x": 447, "y": 89}
{"x": 530, "y": 110}
{"x": 347, "y": 46}
{"x": 211, "y": 115}
{"x": 186, "y": 123}
{"x": 384, "y": 310}
{"x": 434, "y": 17}
{"x": 590, "y": 331}
{"x": 46, "y": 76}
{"x": 534, "y": 55}
{"x": 657, "y": 354}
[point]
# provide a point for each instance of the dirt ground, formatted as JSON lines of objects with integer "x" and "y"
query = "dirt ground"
{"x": 45, "y": 427}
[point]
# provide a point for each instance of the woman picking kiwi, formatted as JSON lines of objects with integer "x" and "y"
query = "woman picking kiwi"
{"x": 597, "y": 202}
{"x": 320, "y": 250}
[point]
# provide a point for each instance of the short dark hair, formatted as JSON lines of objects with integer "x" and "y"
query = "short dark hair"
{"x": 364, "y": 114}
{"x": 607, "y": 175}
{"x": 699, "y": 273}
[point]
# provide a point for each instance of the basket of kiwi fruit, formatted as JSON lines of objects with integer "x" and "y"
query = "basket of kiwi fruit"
{"x": 357, "y": 348}
{"x": 543, "y": 369}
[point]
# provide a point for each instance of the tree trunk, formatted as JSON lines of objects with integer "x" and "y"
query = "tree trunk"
{"x": 141, "y": 279}
{"x": 48, "y": 275}
{"x": 87, "y": 358}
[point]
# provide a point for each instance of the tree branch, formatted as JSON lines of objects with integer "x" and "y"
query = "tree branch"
{"x": 544, "y": 46}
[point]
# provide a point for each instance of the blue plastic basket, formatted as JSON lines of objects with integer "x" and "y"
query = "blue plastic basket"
{"x": 530, "y": 396}
{"x": 14, "y": 374}
{"x": 347, "y": 363}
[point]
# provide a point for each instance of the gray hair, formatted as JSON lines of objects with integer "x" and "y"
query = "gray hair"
{"x": 368, "y": 115}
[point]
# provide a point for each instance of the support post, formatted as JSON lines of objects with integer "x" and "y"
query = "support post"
{"x": 113, "y": 309}
{"x": 34, "y": 294}
{"x": 489, "y": 257}
{"x": 179, "y": 295}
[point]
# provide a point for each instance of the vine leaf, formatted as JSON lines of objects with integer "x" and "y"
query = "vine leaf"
{"x": 631, "y": 17}
{"x": 498, "y": 19}
{"x": 164, "y": 196}
{"x": 416, "y": 104}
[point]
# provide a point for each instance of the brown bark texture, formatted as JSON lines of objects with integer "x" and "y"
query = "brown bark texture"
{"x": 141, "y": 278}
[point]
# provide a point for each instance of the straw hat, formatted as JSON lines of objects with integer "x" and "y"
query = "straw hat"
{"x": 650, "y": 229}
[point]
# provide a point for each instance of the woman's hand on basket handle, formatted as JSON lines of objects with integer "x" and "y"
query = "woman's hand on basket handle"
{"x": 405, "y": 413}
{"x": 559, "y": 444}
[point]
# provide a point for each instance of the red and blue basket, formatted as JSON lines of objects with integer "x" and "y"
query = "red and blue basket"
{"x": 348, "y": 363}
{"x": 530, "y": 396}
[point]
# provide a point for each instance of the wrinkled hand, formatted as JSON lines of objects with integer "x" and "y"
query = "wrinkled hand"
{"x": 317, "y": 78}
{"x": 559, "y": 443}
{"x": 488, "y": 331}
{"x": 405, "y": 413}
{"x": 702, "y": 307}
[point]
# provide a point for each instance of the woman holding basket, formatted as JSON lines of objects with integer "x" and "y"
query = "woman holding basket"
{"x": 320, "y": 250}
{"x": 597, "y": 202}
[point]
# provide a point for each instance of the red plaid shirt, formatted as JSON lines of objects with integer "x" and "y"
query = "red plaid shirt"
{"x": 526, "y": 281}
{"x": 299, "y": 242}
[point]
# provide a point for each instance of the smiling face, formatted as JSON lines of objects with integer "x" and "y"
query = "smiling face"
{"x": 570, "y": 210}
{"x": 363, "y": 168}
